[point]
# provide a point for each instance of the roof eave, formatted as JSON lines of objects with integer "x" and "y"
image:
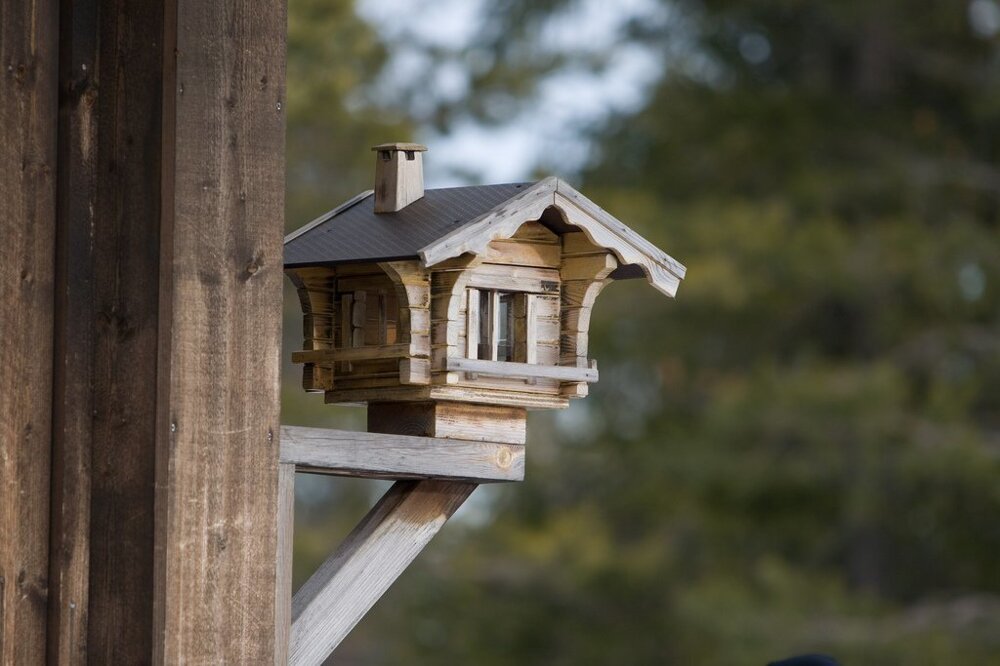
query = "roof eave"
{"x": 662, "y": 271}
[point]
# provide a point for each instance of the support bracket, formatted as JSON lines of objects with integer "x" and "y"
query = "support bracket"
{"x": 434, "y": 476}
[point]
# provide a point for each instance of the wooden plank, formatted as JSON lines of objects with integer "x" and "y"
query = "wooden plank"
{"x": 220, "y": 332}
{"x": 531, "y": 328}
{"x": 28, "y": 46}
{"x": 514, "y": 278}
{"x": 349, "y": 583}
{"x": 383, "y": 456}
{"x": 368, "y": 353}
{"x": 508, "y": 397}
{"x": 283, "y": 570}
{"x": 415, "y": 371}
{"x": 523, "y": 370}
{"x": 76, "y": 338}
{"x": 523, "y": 253}
{"x": 107, "y": 309}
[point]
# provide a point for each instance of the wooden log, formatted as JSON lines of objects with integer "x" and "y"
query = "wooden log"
{"x": 382, "y": 456}
{"x": 221, "y": 272}
{"x": 379, "y": 549}
{"x": 29, "y": 45}
{"x": 75, "y": 336}
{"x": 369, "y": 353}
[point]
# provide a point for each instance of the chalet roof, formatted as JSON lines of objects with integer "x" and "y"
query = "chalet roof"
{"x": 354, "y": 232}
{"x": 448, "y": 222}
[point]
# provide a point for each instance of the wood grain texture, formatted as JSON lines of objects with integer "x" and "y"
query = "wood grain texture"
{"x": 379, "y": 549}
{"x": 662, "y": 271}
{"x": 523, "y": 370}
{"x": 28, "y": 47}
{"x": 221, "y": 271}
{"x": 106, "y": 332}
{"x": 501, "y": 222}
{"x": 283, "y": 570}
{"x": 603, "y": 229}
{"x": 373, "y": 455}
{"x": 500, "y": 396}
{"x": 368, "y": 353}
{"x": 75, "y": 335}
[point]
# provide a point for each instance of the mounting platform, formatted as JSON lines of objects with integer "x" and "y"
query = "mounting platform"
{"x": 434, "y": 476}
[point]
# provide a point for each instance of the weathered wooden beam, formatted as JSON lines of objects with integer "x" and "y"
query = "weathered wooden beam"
{"x": 374, "y": 455}
{"x": 283, "y": 570}
{"x": 220, "y": 332}
{"x": 349, "y": 583}
{"x": 522, "y": 370}
{"x": 110, "y": 162}
{"x": 367, "y": 353}
{"x": 28, "y": 81}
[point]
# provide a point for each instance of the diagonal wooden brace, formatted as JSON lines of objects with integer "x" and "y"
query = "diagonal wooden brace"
{"x": 379, "y": 549}
{"x": 433, "y": 478}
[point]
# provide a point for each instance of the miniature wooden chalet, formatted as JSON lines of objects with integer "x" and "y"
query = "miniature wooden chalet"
{"x": 452, "y": 311}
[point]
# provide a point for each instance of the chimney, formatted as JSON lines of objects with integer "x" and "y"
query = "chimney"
{"x": 399, "y": 175}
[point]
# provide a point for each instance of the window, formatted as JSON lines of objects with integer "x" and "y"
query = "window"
{"x": 491, "y": 324}
{"x": 370, "y": 317}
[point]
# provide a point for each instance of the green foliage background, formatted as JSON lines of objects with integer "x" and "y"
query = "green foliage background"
{"x": 802, "y": 451}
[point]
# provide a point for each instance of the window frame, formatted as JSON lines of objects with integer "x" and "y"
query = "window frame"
{"x": 485, "y": 308}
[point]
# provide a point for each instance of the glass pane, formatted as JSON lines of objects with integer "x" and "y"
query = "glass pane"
{"x": 505, "y": 327}
{"x": 485, "y": 315}
{"x": 391, "y": 309}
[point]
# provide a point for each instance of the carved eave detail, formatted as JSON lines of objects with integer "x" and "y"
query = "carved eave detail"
{"x": 662, "y": 271}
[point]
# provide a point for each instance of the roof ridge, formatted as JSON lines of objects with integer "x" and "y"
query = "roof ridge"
{"x": 356, "y": 199}
{"x": 468, "y": 187}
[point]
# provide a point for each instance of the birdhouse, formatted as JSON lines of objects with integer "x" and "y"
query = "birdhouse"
{"x": 450, "y": 312}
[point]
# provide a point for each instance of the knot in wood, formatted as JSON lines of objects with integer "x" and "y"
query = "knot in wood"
{"x": 504, "y": 457}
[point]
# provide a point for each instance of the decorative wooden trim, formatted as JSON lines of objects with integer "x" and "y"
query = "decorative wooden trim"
{"x": 523, "y": 370}
{"x": 662, "y": 271}
{"x": 379, "y": 456}
{"x": 502, "y": 221}
{"x": 603, "y": 229}
{"x": 379, "y": 549}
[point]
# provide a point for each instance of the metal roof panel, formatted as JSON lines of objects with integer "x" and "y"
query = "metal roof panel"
{"x": 357, "y": 233}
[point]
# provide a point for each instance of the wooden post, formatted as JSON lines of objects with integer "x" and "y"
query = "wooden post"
{"x": 220, "y": 331}
{"x": 167, "y": 330}
{"x": 28, "y": 71}
{"x": 107, "y": 333}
